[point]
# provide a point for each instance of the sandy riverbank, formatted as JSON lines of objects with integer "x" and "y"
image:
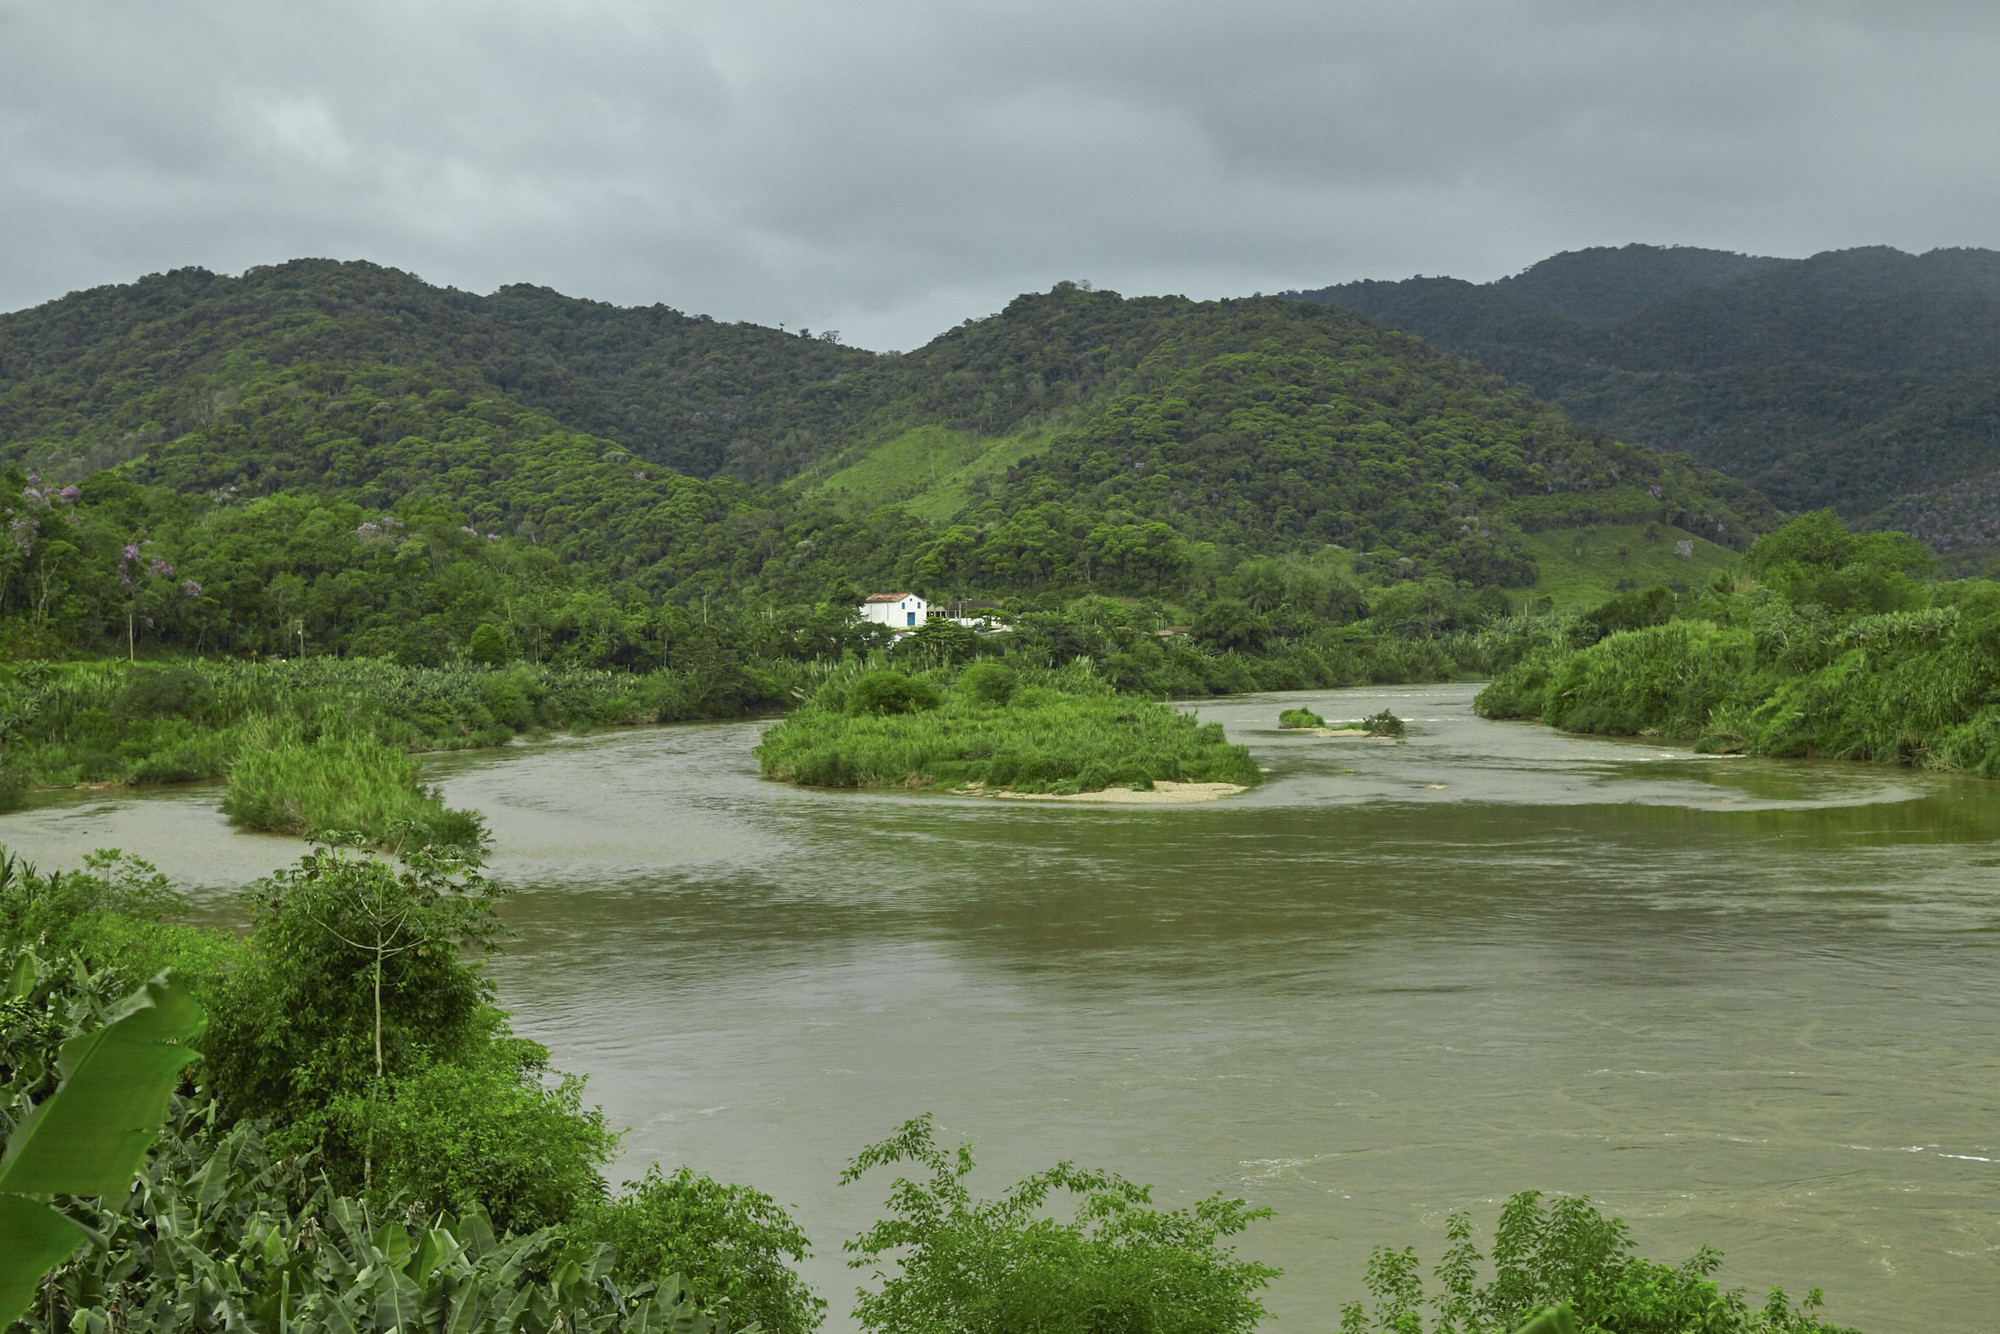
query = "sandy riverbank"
{"x": 1164, "y": 793}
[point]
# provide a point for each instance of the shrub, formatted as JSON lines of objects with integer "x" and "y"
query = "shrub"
{"x": 730, "y": 1245}
{"x": 887, "y": 692}
{"x": 488, "y": 1129}
{"x": 966, "y": 1266}
{"x": 489, "y": 645}
{"x": 1519, "y": 691}
{"x": 1300, "y": 718}
{"x": 1384, "y": 723}
{"x": 172, "y": 692}
{"x": 1565, "y": 1253}
{"x": 989, "y": 682}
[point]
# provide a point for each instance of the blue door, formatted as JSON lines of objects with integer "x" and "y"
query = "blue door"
{"x": 912, "y": 617}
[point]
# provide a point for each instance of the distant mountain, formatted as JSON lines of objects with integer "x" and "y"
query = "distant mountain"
{"x": 1076, "y": 439}
{"x": 1867, "y": 379}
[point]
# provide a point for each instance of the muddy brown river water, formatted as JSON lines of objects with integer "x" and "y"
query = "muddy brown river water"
{"x": 1747, "y": 1003}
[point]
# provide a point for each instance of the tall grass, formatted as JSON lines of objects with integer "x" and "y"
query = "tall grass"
{"x": 1765, "y": 676}
{"x": 69, "y": 723}
{"x": 352, "y": 785}
{"x": 1044, "y": 740}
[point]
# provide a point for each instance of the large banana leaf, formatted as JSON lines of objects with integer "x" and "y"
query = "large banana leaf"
{"x": 91, "y": 1135}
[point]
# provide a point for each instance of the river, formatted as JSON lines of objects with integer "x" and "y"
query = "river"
{"x": 1738, "y": 1002}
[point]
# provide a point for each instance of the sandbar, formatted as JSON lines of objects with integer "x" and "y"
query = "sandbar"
{"x": 1165, "y": 792}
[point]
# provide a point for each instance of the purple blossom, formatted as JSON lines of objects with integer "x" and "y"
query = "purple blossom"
{"x": 160, "y": 568}
{"x": 131, "y": 551}
{"x": 191, "y": 588}
{"x": 68, "y": 495}
{"x": 493, "y": 537}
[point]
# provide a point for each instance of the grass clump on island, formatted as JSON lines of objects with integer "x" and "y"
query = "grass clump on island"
{"x": 989, "y": 730}
{"x": 343, "y": 785}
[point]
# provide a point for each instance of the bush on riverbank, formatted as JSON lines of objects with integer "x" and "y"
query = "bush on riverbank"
{"x": 1296, "y": 718}
{"x": 334, "y": 1103}
{"x": 1566, "y": 1253}
{"x": 1793, "y": 658}
{"x": 353, "y": 785}
{"x": 1045, "y": 739}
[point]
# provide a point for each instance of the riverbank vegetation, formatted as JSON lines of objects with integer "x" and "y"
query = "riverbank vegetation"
{"x": 1824, "y": 644}
{"x": 365, "y": 1145}
{"x": 1057, "y": 733}
{"x": 1564, "y": 1252}
{"x": 342, "y": 786}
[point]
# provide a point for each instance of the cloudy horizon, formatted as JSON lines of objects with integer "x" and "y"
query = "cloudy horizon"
{"x": 889, "y": 169}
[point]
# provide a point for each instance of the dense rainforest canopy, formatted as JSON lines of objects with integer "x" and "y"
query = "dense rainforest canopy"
{"x": 329, "y": 454}
{"x": 1866, "y": 380}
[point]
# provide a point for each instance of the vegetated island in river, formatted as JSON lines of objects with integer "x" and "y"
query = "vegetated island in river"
{"x": 990, "y": 732}
{"x": 1384, "y": 725}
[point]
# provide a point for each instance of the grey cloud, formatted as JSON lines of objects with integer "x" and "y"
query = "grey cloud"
{"x": 890, "y": 168}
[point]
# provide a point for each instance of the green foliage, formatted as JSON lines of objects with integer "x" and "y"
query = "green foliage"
{"x": 729, "y": 1244}
{"x": 485, "y": 1205}
{"x": 489, "y": 645}
{"x": 343, "y": 786}
{"x": 1044, "y": 740}
{"x": 1300, "y": 718}
{"x": 492, "y": 1126}
{"x": 1667, "y": 680}
{"x": 1521, "y": 690}
{"x": 1563, "y": 1265}
{"x": 354, "y": 983}
{"x": 1801, "y": 666}
{"x": 1384, "y": 723}
{"x": 881, "y": 693}
{"x": 967, "y": 1266}
{"x": 988, "y": 682}
{"x": 221, "y": 1230}
{"x": 1631, "y": 611}
{"x": 1860, "y": 379}
{"x": 90, "y": 1135}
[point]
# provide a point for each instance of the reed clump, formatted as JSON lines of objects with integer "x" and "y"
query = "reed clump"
{"x": 343, "y": 786}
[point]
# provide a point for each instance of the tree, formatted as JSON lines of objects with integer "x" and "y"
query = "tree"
{"x": 356, "y": 980}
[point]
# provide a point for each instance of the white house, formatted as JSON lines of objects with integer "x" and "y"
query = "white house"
{"x": 898, "y": 611}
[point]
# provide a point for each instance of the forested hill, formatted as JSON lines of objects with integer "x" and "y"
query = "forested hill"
{"x": 1867, "y": 380}
{"x": 314, "y": 419}
{"x": 99, "y": 376}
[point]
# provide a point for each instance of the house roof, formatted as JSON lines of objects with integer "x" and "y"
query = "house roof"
{"x": 887, "y": 597}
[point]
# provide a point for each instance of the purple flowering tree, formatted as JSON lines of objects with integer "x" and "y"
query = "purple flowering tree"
{"x": 38, "y": 549}
{"x": 149, "y": 589}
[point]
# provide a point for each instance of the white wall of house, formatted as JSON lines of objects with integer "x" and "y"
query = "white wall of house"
{"x": 906, "y": 611}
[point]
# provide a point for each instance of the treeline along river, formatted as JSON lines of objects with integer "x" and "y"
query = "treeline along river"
{"x": 1742, "y": 1002}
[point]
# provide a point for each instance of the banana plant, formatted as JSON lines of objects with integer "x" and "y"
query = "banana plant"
{"x": 91, "y": 1135}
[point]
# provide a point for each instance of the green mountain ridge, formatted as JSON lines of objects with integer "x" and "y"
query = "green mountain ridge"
{"x": 1865, "y": 380}
{"x": 1077, "y": 441}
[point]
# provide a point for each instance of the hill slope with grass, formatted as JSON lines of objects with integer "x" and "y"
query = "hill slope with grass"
{"x": 1866, "y": 380}
{"x": 1075, "y": 442}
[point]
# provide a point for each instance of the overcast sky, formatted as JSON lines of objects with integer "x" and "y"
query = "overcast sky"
{"x": 890, "y": 168}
